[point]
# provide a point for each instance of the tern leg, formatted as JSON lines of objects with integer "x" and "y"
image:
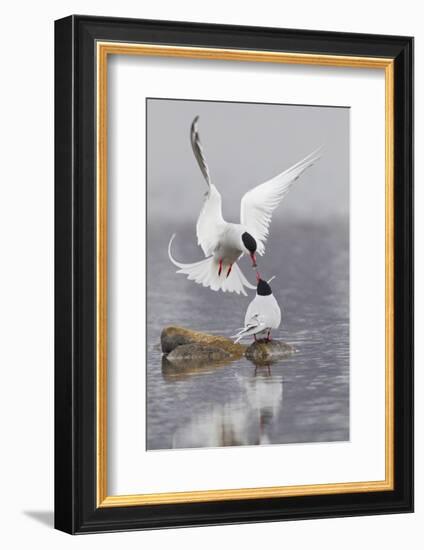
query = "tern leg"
{"x": 254, "y": 336}
{"x": 229, "y": 270}
{"x": 268, "y": 336}
{"x": 220, "y": 267}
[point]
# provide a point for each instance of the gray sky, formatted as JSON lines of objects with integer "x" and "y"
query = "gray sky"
{"x": 245, "y": 144}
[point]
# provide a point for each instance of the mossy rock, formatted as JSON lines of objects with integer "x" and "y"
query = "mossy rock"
{"x": 198, "y": 353}
{"x": 174, "y": 337}
{"x": 268, "y": 352}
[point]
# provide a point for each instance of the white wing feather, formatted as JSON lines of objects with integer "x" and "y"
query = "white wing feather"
{"x": 258, "y": 204}
{"x": 255, "y": 326}
{"x": 210, "y": 223}
{"x": 205, "y": 273}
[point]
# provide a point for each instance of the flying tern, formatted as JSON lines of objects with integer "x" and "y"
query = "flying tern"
{"x": 222, "y": 242}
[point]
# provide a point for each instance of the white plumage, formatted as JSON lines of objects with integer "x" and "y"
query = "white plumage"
{"x": 258, "y": 204}
{"x": 224, "y": 243}
{"x": 263, "y": 314}
{"x": 206, "y": 273}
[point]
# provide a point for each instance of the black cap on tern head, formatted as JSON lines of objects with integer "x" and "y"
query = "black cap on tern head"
{"x": 249, "y": 242}
{"x": 263, "y": 288}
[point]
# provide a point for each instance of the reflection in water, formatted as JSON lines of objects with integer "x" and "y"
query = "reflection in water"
{"x": 237, "y": 403}
{"x": 244, "y": 421}
{"x": 173, "y": 371}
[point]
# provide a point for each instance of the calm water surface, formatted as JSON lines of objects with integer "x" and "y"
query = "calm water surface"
{"x": 304, "y": 398}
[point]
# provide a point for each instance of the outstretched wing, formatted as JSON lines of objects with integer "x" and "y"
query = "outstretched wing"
{"x": 210, "y": 223}
{"x": 198, "y": 150}
{"x": 258, "y": 204}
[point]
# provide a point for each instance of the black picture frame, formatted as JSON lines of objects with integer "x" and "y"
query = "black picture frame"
{"x": 76, "y": 510}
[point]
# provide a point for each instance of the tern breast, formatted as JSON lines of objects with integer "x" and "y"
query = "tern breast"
{"x": 267, "y": 308}
{"x": 229, "y": 248}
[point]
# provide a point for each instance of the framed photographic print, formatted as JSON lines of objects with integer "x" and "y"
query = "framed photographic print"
{"x": 234, "y": 269}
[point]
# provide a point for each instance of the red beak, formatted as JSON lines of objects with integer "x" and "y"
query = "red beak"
{"x": 253, "y": 256}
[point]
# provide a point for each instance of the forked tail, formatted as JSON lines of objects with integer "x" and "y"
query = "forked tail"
{"x": 206, "y": 273}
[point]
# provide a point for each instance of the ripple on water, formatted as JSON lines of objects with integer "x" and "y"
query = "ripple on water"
{"x": 303, "y": 398}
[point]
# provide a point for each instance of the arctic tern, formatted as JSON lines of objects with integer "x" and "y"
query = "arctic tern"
{"x": 262, "y": 315}
{"x": 223, "y": 243}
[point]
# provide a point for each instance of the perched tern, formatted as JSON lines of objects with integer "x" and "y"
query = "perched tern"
{"x": 263, "y": 313}
{"x": 223, "y": 243}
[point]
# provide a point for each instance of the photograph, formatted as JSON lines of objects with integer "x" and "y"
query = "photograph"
{"x": 233, "y": 268}
{"x": 247, "y": 254}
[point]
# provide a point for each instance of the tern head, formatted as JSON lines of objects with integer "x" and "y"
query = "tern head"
{"x": 249, "y": 246}
{"x": 263, "y": 288}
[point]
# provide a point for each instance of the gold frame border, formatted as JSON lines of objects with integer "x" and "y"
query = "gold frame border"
{"x": 103, "y": 49}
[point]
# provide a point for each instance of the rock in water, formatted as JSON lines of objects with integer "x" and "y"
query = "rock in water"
{"x": 174, "y": 337}
{"x": 198, "y": 353}
{"x": 190, "y": 347}
{"x": 266, "y": 352}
